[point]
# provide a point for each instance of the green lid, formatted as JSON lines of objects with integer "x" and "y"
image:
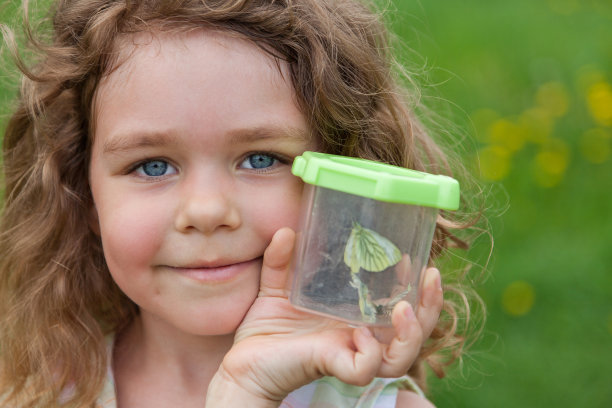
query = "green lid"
{"x": 379, "y": 181}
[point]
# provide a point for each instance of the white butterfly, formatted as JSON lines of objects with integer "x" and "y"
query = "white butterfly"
{"x": 370, "y": 251}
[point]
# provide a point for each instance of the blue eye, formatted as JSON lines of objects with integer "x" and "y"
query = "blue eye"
{"x": 259, "y": 161}
{"x": 155, "y": 168}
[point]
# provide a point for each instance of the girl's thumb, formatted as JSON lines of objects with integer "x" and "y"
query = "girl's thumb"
{"x": 276, "y": 261}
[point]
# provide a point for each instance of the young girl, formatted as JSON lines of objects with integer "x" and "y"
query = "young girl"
{"x": 150, "y": 210}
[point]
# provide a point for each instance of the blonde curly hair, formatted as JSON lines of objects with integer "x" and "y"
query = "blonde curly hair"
{"x": 57, "y": 299}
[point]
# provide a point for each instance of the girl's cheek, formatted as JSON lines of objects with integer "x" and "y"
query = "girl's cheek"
{"x": 130, "y": 236}
{"x": 284, "y": 211}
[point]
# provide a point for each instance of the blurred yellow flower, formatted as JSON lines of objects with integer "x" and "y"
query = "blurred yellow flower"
{"x": 596, "y": 145}
{"x": 537, "y": 124}
{"x": 599, "y": 98}
{"x": 507, "y": 134}
{"x": 518, "y": 298}
{"x": 494, "y": 162}
{"x": 551, "y": 162}
{"x": 553, "y": 98}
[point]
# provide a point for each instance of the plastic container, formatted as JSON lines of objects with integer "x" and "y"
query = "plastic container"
{"x": 365, "y": 235}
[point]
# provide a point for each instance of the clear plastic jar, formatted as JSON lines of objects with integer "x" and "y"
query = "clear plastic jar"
{"x": 365, "y": 236}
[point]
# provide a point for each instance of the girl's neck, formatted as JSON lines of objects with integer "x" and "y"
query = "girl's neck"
{"x": 152, "y": 352}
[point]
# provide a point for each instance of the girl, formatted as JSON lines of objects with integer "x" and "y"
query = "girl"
{"x": 149, "y": 208}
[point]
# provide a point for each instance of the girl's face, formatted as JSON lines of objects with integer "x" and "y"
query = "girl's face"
{"x": 190, "y": 174}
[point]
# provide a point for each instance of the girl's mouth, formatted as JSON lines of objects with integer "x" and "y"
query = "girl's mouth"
{"x": 219, "y": 273}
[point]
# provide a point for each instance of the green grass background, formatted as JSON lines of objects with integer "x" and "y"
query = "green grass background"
{"x": 530, "y": 82}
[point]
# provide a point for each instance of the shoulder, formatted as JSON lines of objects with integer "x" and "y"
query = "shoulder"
{"x": 409, "y": 399}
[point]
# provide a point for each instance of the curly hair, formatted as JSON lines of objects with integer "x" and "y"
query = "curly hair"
{"x": 57, "y": 298}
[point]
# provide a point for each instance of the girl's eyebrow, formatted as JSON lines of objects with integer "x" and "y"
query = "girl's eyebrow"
{"x": 129, "y": 141}
{"x": 259, "y": 133}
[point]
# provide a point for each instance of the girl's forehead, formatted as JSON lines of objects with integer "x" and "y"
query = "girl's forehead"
{"x": 153, "y": 44}
{"x": 139, "y": 54}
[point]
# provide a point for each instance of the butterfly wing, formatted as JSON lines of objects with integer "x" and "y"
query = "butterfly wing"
{"x": 369, "y": 250}
{"x": 376, "y": 253}
{"x": 351, "y": 258}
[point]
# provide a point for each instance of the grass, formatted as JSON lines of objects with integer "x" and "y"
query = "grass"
{"x": 525, "y": 78}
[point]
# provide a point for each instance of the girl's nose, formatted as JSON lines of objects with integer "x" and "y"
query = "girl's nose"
{"x": 207, "y": 212}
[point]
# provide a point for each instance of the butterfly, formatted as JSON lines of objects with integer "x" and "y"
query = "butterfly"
{"x": 368, "y": 250}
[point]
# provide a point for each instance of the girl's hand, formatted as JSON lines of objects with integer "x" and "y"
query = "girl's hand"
{"x": 278, "y": 348}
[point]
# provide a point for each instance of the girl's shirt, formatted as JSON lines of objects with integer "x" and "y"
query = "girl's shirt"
{"x": 322, "y": 393}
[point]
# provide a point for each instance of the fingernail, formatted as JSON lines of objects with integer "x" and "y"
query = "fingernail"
{"x": 432, "y": 284}
{"x": 365, "y": 332}
{"x": 432, "y": 280}
{"x": 409, "y": 312}
{"x": 438, "y": 282}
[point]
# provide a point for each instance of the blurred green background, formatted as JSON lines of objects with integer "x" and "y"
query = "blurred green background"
{"x": 531, "y": 82}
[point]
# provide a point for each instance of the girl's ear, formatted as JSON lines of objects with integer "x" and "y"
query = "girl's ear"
{"x": 93, "y": 220}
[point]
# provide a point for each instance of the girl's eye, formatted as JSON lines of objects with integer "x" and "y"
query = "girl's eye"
{"x": 259, "y": 161}
{"x": 155, "y": 168}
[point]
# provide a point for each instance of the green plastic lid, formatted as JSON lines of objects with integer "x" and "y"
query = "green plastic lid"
{"x": 379, "y": 181}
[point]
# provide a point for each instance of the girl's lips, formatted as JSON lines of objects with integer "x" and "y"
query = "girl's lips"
{"x": 216, "y": 274}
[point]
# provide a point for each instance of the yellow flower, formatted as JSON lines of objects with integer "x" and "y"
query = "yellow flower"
{"x": 494, "y": 162}
{"x": 551, "y": 162}
{"x": 537, "y": 123}
{"x": 599, "y": 99}
{"x": 518, "y": 298}
{"x": 508, "y": 134}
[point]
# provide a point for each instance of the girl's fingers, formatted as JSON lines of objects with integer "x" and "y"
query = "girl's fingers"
{"x": 405, "y": 347}
{"x": 412, "y": 330}
{"x": 361, "y": 356}
{"x": 275, "y": 265}
{"x": 431, "y": 303}
{"x": 356, "y": 366}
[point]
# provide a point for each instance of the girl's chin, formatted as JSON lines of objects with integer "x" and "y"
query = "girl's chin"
{"x": 218, "y": 322}
{"x": 200, "y": 312}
